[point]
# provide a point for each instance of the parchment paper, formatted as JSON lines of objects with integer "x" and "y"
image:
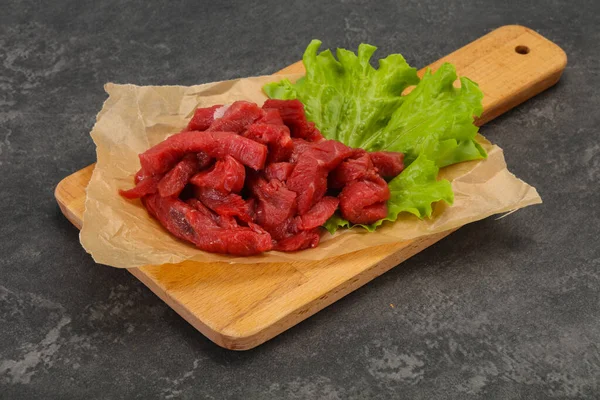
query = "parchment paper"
{"x": 120, "y": 233}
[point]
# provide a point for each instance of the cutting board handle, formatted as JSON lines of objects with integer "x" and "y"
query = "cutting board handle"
{"x": 511, "y": 64}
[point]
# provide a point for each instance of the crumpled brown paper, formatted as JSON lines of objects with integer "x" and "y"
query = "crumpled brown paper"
{"x": 120, "y": 233}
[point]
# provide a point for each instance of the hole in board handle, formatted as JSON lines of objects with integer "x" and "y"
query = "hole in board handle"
{"x": 522, "y": 50}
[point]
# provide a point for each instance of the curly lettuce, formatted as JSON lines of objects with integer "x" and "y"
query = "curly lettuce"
{"x": 351, "y": 101}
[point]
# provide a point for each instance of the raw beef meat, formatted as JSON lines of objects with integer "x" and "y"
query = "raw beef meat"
{"x": 226, "y": 176}
{"x": 175, "y": 180}
{"x": 363, "y": 202}
{"x": 237, "y": 117}
{"x": 388, "y": 163}
{"x": 309, "y": 181}
{"x": 243, "y": 179}
{"x": 292, "y": 113}
{"x": 162, "y": 157}
{"x": 318, "y": 214}
{"x": 358, "y": 166}
{"x": 275, "y": 203}
{"x": 309, "y": 177}
{"x": 204, "y": 160}
{"x": 232, "y": 205}
{"x": 280, "y": 171}
{"x": 202, "y": 118}
{"x": 144, "y": 185}
{"x": 299, "y": 241}
{"x": 276, "y": 137}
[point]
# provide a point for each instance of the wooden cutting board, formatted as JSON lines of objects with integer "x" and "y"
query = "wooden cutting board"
{"x": 241, "y": 306}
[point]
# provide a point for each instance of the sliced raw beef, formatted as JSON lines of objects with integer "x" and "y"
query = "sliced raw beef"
{"x": 275, "y": 203}
{"x": 204, "y": 160}
{"x": 388, "y": 163}
{"x": 280, "y": 171}
{"x": 357, "y": 167}
{"x": 175, "y": 180}
{"x": 240, "y": 241}
{"x": 162, "y": 157}
{"x": 237, "y": 117}
{"x": 144, "y": 185}
{"x": 299, "y": 241}
{"x": 276, "y": 137}
{"x": 222, "y": 221}
{"x": 292, "y": 113}
{"x": 139, "y": 176}
{"x": 318, "y": 214}
{"x": 227, "y": 222}
{"x": 309, "y": 177}
{"x": 285, "y": 229}
{"x": 329, "y": 153}
{"x": 231, "y": 205}
{"x": 271, "y": 116}
{"x": 172, "y": 214}
{"x": 193, "y": 182}
{"x": 363, "y": 202}
{"x": 186, "y": 223}
{"x": 309, "y": 181}
{"x": 202, "y": 118}
{"x": 226, "y": 176}
{"x": 300, "y": 146}
{"x": 212, "y": 218}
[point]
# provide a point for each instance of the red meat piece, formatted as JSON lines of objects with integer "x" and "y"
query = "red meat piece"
{"x": 318, "y": 214}
{"x": 140, "y": 175}
{"x": 300, "y": 146}
{"x": 309, "y": 177}
{"x": 388, "y": 163}
{"x": 280, "y": 171}
{"x": 162, "y": 157}
{"x": 237, "y": 117}
{"x": 204, "y": 160}
{"x": 292, "y": 114}
{"x": 275, "y": 203}
{"x": 363, "y": 202}
{"x": 271, "y": 116}
{"x": 355, "y": 168}
{"x": 240, "y": 241}
{"x": 329, "y": 153}
{"x": 276, "y": 137}
{"x": 212, "y": 219}
{"x": 285, "y": 229}
{"x": 227, "y": 222}
{"x": 203, "y": 118}
{"x": 185, "y": 222}
{"x": 175, "y": 180}
{"x": 215, "y": 220}
{"x": 309, "y": 181}
{"x": 313, "y": 135}
{"x": 225, "y": 204}
{"x": 226, "y": 176}
{"x": 299, "y": 241}
{"x": 172, "y": 214}
{"x": 144, "y": 185}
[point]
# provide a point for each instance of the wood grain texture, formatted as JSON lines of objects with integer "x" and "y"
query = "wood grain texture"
{"x": 241, "y": 306}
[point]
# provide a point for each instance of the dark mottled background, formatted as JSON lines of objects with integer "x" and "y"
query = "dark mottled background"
{"x": 502, "y": 309}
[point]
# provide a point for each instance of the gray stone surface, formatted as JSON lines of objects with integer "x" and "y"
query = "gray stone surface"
{"x": 502, "y": 309}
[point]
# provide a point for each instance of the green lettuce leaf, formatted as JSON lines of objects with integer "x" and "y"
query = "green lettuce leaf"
{"x": 348, "y": 100}
{"x": 282, "y": 90}
{"x": 436, "y": 119}
{"x": 362, "y": 106}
